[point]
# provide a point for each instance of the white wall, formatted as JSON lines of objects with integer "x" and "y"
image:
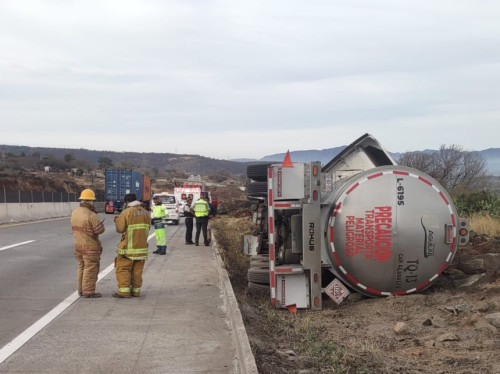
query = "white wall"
{"x": 22, "y": 212}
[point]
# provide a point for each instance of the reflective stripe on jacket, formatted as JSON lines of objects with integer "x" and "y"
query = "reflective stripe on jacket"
{"x": 201, "y": 208}
{"x": 86, "y": 229}
{"x": 133, "y": 223}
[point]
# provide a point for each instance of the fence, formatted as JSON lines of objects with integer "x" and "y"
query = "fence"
{"x": 17, "y": 196}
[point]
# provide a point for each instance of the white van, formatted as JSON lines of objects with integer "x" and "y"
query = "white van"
{"x": 172, "y": 205}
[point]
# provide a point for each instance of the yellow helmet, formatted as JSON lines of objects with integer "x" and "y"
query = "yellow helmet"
{"x": 87, "y": 194}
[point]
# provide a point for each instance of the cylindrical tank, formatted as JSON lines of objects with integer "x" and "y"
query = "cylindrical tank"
{"x": 389, "y": 230}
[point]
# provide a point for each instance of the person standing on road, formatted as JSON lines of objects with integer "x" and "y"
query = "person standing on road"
{"x": 133, "y": 223}
{"x": 86, "y": 229}
{"x": 188, "y": 220}
{"x": 213, "y": 212}
{"x": 201, "y": 211}
{"x": 160, "y": 213}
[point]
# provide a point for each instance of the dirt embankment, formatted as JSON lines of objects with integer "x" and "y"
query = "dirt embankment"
{"x": 452, "y": 327}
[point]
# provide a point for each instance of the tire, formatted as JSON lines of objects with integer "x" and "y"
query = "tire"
{"x": 259, "y": 262}
{"x": 258, "y": 172}
{"x": 258, "y": 286}
{"x": 258, "y": 275}
{"x": 257, "y": 189}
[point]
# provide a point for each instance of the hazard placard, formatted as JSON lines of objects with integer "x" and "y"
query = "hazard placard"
{"x": 337, "y": 291}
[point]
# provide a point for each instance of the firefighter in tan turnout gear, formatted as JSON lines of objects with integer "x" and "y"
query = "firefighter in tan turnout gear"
{"x": 133, "y": 223}
{"x": 86, "y": 229}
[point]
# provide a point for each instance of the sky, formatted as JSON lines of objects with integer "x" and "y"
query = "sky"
{"x": 244, "y": 79}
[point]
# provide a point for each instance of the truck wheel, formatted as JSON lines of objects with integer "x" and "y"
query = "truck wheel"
{"x": 259, "y": 275}
{"x": 257, "y": 189}
{"x": 258, "y": 172}
{"x": 258, "y": 286}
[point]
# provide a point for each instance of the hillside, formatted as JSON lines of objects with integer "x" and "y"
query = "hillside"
{"x": 188, "y": 164}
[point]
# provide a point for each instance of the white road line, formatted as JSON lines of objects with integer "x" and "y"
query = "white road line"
{"x": 31, "y": 331}
{"x": 16, "y": 245}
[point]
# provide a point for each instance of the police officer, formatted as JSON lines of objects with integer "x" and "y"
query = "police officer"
{"x": 160, "y": 213}
{"x": 201, "y": 211}
{"x": 188, "y": 220}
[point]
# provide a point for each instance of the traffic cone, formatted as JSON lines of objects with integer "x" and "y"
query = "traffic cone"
{"x": 287, "y": 161}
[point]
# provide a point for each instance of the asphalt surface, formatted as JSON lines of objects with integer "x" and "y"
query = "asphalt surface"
{"x": 185, "y": 321}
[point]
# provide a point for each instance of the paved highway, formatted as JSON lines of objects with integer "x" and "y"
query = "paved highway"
{"x": 38, "y": 270}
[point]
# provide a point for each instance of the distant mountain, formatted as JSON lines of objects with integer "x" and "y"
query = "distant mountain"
{"x": 491, "y": 156}
{"x": 195, "y": 164}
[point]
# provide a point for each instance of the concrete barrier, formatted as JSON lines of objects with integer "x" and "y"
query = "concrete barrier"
{"x": 22, "y": 212}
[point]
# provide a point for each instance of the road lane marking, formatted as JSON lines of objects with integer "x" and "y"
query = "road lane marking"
{"x": 16, "y": 245}
{"x": 16, "y": 343}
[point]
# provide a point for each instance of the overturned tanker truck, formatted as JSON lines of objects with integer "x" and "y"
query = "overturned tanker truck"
{"x": 361, "y": 223}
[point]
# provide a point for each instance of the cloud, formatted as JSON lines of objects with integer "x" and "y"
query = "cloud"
{"x": 250, "y": 78}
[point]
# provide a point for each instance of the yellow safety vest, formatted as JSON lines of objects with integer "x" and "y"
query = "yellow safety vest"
{"x": 200, "y": 208}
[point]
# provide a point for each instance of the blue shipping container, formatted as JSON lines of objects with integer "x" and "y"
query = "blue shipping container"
{"x": 118, "y": 183}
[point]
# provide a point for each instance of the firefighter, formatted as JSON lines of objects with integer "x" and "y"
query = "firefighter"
{"x": 201, "y": 211}
{"x": 133, "y": 223}
{"x": 86, "y": 229}
{"x": 160, "y": 213}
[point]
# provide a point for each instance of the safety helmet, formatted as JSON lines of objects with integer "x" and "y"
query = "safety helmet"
{"x": 87, "y": 194}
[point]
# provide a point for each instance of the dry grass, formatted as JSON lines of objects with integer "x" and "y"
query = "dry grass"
{"x": 485, "y": 224}
{"x": 302, "y": 333}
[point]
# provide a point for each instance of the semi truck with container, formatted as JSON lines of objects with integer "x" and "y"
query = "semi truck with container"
{"x": 119, "y": 183}
{"x": 361, "y": 223}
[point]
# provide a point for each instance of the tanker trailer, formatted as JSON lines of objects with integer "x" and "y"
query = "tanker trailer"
{"x": 388, "y": 230}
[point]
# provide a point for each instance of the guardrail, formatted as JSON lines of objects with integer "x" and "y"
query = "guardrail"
{"x": 19, "y": 196}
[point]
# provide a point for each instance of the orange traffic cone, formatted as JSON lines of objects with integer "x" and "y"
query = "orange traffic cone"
{"x": 292, "y": 308}
{"x": 287, "y": 161}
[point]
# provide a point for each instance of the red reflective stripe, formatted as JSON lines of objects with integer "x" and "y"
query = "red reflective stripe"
{"x": 352, "y": 188}
{"x": 375, "y": 175}
{"x": 443, "y": 197}
{"x": 425, "y": 180}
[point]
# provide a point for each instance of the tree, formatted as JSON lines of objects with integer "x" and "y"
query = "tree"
{"x": 105, "y": 163}
{"x": 455, "y": 169}
{"x": 68, "y": 157}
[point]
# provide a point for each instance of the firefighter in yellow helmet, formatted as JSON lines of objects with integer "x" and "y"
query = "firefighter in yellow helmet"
{"x": 133, "y": 223}
{"x": 86, "y": 228}
{"x": 160, "y": 213}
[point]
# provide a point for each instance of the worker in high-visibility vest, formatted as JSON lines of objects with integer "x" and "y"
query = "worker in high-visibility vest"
{"x": 201, "y": 211}
{"x": 133, "y": 223}
{"x": 160, "y": 213}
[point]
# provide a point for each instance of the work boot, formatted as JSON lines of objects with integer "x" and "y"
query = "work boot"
{"x": 158, "y": 250}
{"x": 163, "y": 250}
{"x": 93, "y": 295}
{"x": 116, "y": 294}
